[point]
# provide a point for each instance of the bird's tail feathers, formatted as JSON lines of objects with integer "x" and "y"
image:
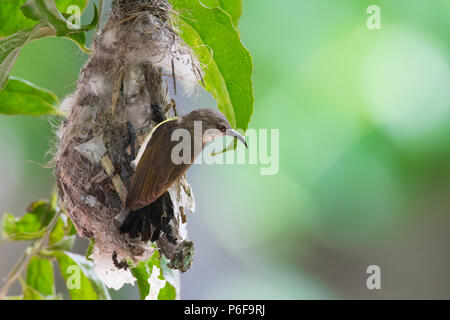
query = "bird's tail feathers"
{"x": 148, "y": 222}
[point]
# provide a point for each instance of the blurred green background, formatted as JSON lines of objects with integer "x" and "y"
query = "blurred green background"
{"x": 364, "y": 178}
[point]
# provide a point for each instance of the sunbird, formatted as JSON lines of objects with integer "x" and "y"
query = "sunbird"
{"x": 148, "y": 202}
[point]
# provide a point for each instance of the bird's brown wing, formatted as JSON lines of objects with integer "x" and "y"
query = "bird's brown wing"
{"x": 155, "y": 172}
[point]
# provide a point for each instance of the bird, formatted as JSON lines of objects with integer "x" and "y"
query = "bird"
{"x": 148, "y": 202}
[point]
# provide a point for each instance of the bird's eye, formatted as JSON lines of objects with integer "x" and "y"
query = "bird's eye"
{"x": 222, "y": 128}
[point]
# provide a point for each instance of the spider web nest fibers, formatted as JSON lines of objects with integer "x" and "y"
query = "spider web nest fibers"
{"x": 121, "y": 85}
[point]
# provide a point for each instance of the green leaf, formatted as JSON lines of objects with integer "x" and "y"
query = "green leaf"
{"x": 30, "y": 293}
{"x": 26, "y": 228}
{"x": 81, "y": 281}
{"x": 62, "y": 237}
{"x": 80, "y": 37}
{"x": 143, "y": 271}
{"x": 94, "y": 21}
{"x": 31, "y": 225}
{"x": 9, "y": 51}
{"x": 50, "y": 14}
{"x": 90, "y": 249}
{"x": 80, "y": 40}
{"x": 227, "y": 63}
{"x": 13, "y": 20}
{"x": 21, "y": 29}
{"x": 58, "y": 232}
{"x": 10, "y": 48}
{"x": 20, "y": 24}
{"x": 65, "y": 243}
{"x": 169, "y": 292}
{"x": 47, "y": 12}
{"x": 232, "y": 7}
{"x": 23, "y": 97}
{"x": 40, "y": 276}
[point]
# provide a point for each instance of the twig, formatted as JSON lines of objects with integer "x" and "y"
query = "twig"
{"x": 100, "y": 4}
{"x": 116, "y": 180}
{"x": 174, "y": 79}
{"x": 116, "y": 89}
{"x": 23, "y": 262}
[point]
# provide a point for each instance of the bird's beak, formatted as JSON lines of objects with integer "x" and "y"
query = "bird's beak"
{"x": 237, "y": 135}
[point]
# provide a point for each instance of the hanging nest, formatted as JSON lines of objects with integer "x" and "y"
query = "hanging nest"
{"x": 122, "y": 90}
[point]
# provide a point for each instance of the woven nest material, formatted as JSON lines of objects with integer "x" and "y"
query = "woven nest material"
{"x": 122, "y": 84}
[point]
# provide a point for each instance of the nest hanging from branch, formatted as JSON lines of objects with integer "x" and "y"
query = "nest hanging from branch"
{"x": 121, "y": 89}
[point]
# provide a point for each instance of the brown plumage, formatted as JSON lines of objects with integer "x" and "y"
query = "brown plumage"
{"x": 155, "y": 172}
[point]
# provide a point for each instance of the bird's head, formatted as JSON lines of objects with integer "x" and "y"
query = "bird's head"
{"x": 214, "y": 124}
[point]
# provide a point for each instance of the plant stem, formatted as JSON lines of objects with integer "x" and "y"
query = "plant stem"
{"x": 23, "y": 262}
{"x": 100, "y": 4}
